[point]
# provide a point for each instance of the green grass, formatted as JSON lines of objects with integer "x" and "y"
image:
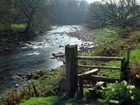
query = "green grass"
{"x": 15, "y": 27}
{"x": 107, "y": 35}
{"x": 135, "y": 56}
{"x": 52, "y": 100}
{"x": 18, "y": 27}
{"x": 45, "y": 81}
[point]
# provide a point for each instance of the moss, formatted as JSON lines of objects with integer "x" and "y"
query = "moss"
{"x": 18, "y": 27}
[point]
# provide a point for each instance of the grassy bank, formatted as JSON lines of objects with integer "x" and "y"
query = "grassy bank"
{"x": 43, "y": 83}
{"x": 10, "y": 33}
{"x": 46, "y": 88}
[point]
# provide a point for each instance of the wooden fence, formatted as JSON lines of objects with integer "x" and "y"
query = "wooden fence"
{"x": 71, "y": 69}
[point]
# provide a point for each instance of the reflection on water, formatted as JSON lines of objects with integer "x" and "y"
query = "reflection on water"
{"x": 35, "y": 55}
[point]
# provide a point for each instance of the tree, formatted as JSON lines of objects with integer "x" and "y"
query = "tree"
{"x": 120, "y": 13}
{"x": 7, "y": 13}
{"x": 96, "y": 16}
{"x": 36, "y": 14}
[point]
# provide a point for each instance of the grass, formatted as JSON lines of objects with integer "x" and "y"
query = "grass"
{"x": 14, "y": 27}
{"x": 107, "y": 35}
{"x": 18, "y": 27}
{"x": 43, "y": 83}
{"x": 52, "y": 100}
{"x": 111, "y": 44}
{"x": 135, "y": 56}
{"x": 51, "y": 84}
{"x": 57, "y": 100}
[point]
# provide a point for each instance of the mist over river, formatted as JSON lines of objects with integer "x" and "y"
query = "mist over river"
{"x": 36, "y": 55}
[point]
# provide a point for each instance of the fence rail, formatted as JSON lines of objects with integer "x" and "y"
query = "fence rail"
{"x": 100, "y": 58}
{"x": 71, "y": 68}
{"x": 99, "y": 67}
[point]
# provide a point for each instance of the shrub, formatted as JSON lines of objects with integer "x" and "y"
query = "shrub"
{"x": 124, "y": 92}
{"x": 135, "y": 74}
{"x": 133, "y": 40}
{"x": 111, "y": 49}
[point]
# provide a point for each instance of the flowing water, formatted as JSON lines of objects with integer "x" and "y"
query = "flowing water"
{"x": 36, "y": 55}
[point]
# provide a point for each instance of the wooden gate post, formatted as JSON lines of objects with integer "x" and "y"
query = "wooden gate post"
{"x": 125, "y": 66}
{"x": 71, "y": 85}
{"x": 123, "y": 69}
{"x": 128, "y": 58}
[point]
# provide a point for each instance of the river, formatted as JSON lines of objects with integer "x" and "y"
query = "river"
{"x": 36, "y": 55}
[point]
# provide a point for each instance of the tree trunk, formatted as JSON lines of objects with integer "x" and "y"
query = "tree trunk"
{"x": 28, "y": 27}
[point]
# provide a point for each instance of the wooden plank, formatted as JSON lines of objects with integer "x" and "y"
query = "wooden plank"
{"x": 114, "y": 102}
{"x": 99, "y": 67}
{"x": 86, "y": 86}
{"x": 100, "y": 58}
{"x": 101, "y": 101}
{"x": 91, "y": 72}
{"x": 97, "y": 85}
{"x": 102, "y": 78}
{"x": 71, "y": 82}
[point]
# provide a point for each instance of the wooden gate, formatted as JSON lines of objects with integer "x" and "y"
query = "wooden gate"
{"x": 71, "y": 69}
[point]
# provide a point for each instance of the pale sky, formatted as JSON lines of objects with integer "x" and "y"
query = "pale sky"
{"x": 90, "y": 1}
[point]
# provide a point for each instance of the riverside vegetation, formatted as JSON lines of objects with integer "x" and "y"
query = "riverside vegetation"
{"x": 47, "y": 87}
{"x": 116, "y": 30}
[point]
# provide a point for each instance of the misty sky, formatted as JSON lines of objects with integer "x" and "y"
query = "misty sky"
{"x": 90, "y": 1}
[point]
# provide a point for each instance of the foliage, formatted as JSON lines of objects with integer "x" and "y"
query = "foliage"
{"x": 134, "y": 67}
{"x": 122, "y": 13}
{"x": 108, "y": 50}
{"x": 96, "y": 16}
{"x": 124, "y": 92}
{"x": 134, "y": 74}
{"x": 36, "y": 14}
{"x": 133, "y": 40}
{"x": 7, "y": 12}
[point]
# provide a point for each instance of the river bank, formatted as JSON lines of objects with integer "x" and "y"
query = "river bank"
{"x": 36, "y": 55}
{"x": 55, "y": 86}
{"x": 10, "y": 41}
{"x": 45, "y": 84}
{"x": 85, "y": 34}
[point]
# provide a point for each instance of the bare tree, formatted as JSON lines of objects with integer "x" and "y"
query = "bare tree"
{"x": 36, "y": 13}
{"x": 120, "y": 13}
{"x": 96, "y": 16}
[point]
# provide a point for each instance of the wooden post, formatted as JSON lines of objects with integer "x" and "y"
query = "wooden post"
{"x": 128, "y": 58}
{"x": 71, "y": 84}
{"x": 81, "y": 87}
{"x": 123, "y": 69}
{"x": 125, "y": 66}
